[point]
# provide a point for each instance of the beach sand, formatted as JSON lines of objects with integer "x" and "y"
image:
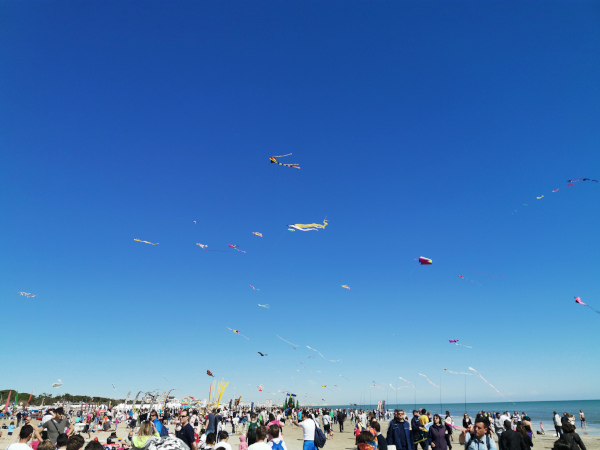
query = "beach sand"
{"x": 292, "y": 436}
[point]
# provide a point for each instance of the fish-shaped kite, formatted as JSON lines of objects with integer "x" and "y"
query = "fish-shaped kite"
{"x": 345, "y": 286}
{"x": 425, "y": 261}
{"x": 264, "y": 306}
{"x": 209, "y": 373}
{"x": 262, "y": 354}
{"x": 256, "y": 233}
{"x": 202, "y": 245}
{"x": 539, "y": 198}
{"x": 308, "y": 226}
{"x": 274, "y": 161}
{"x": 236, "y": 247}
{"x": 27, "y": 294}
{"x": 57, "y": 384}
{"x": 578, "y": 300}
{"x": 146, "y": 242}
{"x": 238, "y": 332}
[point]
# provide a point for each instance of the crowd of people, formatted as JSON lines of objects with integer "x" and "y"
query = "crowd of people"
{"x": 263, "y": 429}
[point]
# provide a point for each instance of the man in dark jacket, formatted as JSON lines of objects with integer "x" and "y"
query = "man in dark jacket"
{"x": 341, "y": 416}
{"x": 511, "y": 440}
{"x": 398, "y": 433}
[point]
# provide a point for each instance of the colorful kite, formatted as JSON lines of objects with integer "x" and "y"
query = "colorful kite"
{"x": 324, "y": 385}
{"x": 146, "y": 242}
{"x": 202, "y": 245}
{"x": 539, "y": 198}
{"x": 260, "y": 388}
{"x": 27, "y": 294}
{"x": 308, "y": 226}
{"x": 555, "y": 190}
{"x": 294, "y": 346}
{"x": 114, "y": 387}
{"x": 58, "y": 384}
{"x": 487, "y": 382}
{"x": 345, "y": 286}
{"x": 236, "y": 247}
{"x": 238, "y": 332}
{"x": 256, "y": 233}
{"x": 194, "y": 222}
{"x": 425, "y": 261}
{"x": 274, "y": 161}
{"x": 209, "y": 373}
{"x": 262, "y": 354}
{"x": 453, "y": 341}
{"x": 578, "y": 300}
{"x": 256, "y": 289}
{"x": 264, "y": 306}
{"x": 430, "y": 382}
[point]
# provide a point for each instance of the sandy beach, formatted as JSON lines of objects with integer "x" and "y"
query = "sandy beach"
{"x": 341, "y": 441}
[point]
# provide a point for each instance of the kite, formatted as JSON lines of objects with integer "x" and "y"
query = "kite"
{"x": 27, "y": 294}
{"x": 194, "y": 222}
{"x": 146, "y": 242}
{"x": 346, "y": 286}
{"x": 256, "y": 233}
{"x": 58, "y": 384}
{"x": 323, "y": 385}
{"x": 555, "y": 190}
{"x": 568, "y": 185}
{"x": 539, "y": 198}
{"x": 458, "y": 373}
{"x": 202, "y": 245}
{"x": 398, "y": 388}
{"x": 430, "y": 382}
{"x": 321, "y": 355}
{"x": 308, "y": 226}
{"x": 578, "y": 300}
{"x": 589, "y": 179}
{"x": 455, "y": 342}
{"x": 209, "y": 373}
{"x": 262, "y": 354}
{"x": 264, "y": 306}
{"x": 260, "y": 388}
{"x": 256, "y": 289}
{"x": 425, "y": 261}
{"x": 114, "y": 387}
{"x": 235, "y": 247}
{"x": 238, "y": 332}
{"x": 487, "y": 382}
{"x": 403, "y": 379}
{"x": 487, "y": 274}
{"x": 294, "y": 346}
{"x": 274, "y": 161}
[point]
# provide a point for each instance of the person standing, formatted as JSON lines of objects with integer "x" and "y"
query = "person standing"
{"x": 398, "y": 432}
{"x": 498, "y": 425}
{"x": 186, "y": 432}
{"x": 557, "y": 424}
{"x": 308, "y": 426}
{"x": 341, "y": 416}
{"x": 55, "y": 426}
{"x": 510, "y": 439}
{"x": 582, "y": 421}
{"x": 24, "y": 436}
{"x": 477, "y": 438}
{"x": 436, "y": 437}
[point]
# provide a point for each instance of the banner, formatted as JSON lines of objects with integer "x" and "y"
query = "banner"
{"x": 7, "y": 400}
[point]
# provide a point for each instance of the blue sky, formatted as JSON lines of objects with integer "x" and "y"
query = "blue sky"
{"x": 420, "y": 127}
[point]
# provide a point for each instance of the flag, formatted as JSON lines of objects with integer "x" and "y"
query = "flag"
{"x": 7, "y": 400}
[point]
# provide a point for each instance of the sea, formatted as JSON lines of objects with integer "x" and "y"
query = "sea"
{"x": 538, "y": 411}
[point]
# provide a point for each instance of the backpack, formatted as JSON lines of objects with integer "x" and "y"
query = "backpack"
{"x": 164, "y": 431}
{"x": 276, "y": 445}
{"x": 320, "y": 437}
{"x": 487, "y": 442}
{"x": 252, "y": 430}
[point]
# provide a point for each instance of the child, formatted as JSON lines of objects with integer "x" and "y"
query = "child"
{"x": 243, "y": 444}
{"x": 275, "y": 439}
{"x": 11, "y": 427}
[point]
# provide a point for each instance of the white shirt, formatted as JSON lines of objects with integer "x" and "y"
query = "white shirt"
{"x": 259, "y": 446}
{"x": 308, "y": 428}
{"x": 18, "y": 446}
{"x": 277, "y": 440}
